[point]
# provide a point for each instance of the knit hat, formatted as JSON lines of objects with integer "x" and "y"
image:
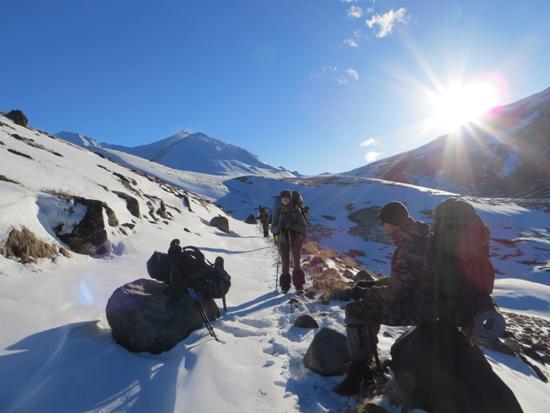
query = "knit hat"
{"x": 395, "y": 213}
{"x": 285, "y": 194}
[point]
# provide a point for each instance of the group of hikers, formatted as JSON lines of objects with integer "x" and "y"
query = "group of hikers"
{"x": 439, "y": 272}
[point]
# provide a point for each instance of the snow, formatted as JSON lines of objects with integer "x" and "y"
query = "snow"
{"x": 189, "y": 151}
{"x": 56, "y": 351}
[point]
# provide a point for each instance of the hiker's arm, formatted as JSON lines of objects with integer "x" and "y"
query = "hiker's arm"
{"x": 275, "y": 223}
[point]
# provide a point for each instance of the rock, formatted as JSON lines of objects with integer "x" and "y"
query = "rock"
{"x": 327, "y": 354}
{"x": 251, "y": 219}
{"x": 306, "y": 321}
{"x": 132, "y": 204}
{"x": 439, "y": 370}
{"x": 18, "y": 117}
{"x": 220, "y": 222}
{"x": 144, "y": 317}
{"x": 89, "y": 234}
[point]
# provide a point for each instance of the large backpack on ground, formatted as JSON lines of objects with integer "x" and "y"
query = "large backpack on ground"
{"x": 464, "y": 276}
{"x": 189, "y": 269}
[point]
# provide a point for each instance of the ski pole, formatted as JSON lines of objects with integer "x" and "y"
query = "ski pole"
{"x": 200, "y": 308}
{"x": 278, "y": 263}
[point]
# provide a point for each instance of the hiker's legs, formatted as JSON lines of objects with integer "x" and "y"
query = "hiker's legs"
{"x": 298, "y": 278}
{"x": 284, "y": 280}
{"x": 266, "y": 229}
{"x": 362, "y": 333}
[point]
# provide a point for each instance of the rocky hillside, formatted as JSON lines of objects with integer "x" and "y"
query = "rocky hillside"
{"x": 505, "y": 153}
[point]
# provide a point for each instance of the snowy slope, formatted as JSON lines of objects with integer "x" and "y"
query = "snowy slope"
{"x": 505, "y": 153}
{"x": 520, "y": 235}
{"x": 195, "y": 152}
{"x": 56, "y": 352}
{"x": 78, "y": 139}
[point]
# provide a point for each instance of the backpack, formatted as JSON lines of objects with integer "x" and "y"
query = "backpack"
{"x": 190, "y": 269}
{"x": 463, "y": 272}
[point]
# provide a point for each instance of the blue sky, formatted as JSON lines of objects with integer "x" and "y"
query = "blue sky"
{"x": 301, "y": 83}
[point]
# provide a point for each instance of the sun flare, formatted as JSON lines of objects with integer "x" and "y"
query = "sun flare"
{"x": 460, "y": 103}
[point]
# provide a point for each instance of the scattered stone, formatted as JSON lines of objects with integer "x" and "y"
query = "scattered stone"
{"x": 220, "y": 222}
{"x": 306, "y": 321}
{"x": 6, "y": 179}
{"x": 251, "y": 219}
{"x": 18, "y": 117}
{"x": 132, "y": 204}
{"x": 144, "y": 316}
{"x": 327, "y": 354}
{"x": 64, "y": 252}
{"x": 162, "y": 210}
{"x": 24, "y": 155}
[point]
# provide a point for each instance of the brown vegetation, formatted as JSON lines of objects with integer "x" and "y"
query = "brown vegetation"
{"x": 23, "y": 244}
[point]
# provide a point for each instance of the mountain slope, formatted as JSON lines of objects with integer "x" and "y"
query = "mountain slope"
{"x": 505, "y": 153}
{"x": 195, "y": 152}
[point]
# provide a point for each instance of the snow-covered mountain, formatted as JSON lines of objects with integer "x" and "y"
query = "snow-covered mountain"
{"x": 79, "y": 139}
{"x": 504, "y": 153}
{"x": 196, "y": 152}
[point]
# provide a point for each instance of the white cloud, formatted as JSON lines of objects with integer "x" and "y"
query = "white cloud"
{"x": 369, "y": 142}
{"x": 352, "y": 74}
{"x": 372, "y": 156}
{"x": 355, "y": 11}
{"x": 351, "y": 42}
{"x": 384, "y": 23}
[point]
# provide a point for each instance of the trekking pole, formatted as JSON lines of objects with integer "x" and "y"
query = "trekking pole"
{"x": 200, "y": 308}
{"x": 224, "y": 304}
{"x": 278, "y": 263}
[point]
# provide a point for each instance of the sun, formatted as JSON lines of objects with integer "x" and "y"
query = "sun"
{"x": 461, "y": 103}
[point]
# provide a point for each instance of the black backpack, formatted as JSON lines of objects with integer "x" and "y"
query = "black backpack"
{"x": 190, "y": 269}
{"x": 464, "y": 276}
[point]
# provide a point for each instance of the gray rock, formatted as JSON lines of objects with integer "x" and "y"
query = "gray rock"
{"x": 439, "y": 370}
{"x": 132, "y": 204}
{"x": 306, "y": 321}
{"x": 89, "y": 236}
{"x": 327, "y": 354}
{"x": 251, "y": 219}
{"x": 144, "y": 316}
{"x": 18, "y": 117}
{"x": 220, "y": 222}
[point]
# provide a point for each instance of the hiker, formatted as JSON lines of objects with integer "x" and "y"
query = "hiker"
{"x": 288, "y": 226}
{"x": 264, "y": 219}
{"x": 404, "y": 298}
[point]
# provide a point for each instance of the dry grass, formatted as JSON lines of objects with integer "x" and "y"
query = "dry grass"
{"x": 23, "y": 244}
{"x": 61, "y": 193}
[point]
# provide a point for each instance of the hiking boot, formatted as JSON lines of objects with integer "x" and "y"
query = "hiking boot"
{"x": 284, "y": 282}
{"x": 359, "y": 374}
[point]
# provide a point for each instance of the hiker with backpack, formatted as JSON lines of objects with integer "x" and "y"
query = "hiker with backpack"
{"x": 264, "y": 220}
{"x": 444, "y": 275}
{"x": 288, "y": 226}
{"x": 404, "y": 298}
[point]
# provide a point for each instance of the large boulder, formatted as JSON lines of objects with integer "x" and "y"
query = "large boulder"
{"x": 18, "y": 117}
{"x": 144, "y": 316}
{"x": 437, "y": 369}
{"x": 327, "y": 354}
{"x": 89, "y": 236}
{"x": 220, "y": 222}
{"x": 306, "y": 321}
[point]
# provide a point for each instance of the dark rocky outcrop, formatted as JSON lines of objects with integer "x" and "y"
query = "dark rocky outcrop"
{"x": 18, "y": 117}
{"x": 439, "y": 370}
{"x": 306, "y": 321}
{"x": 132, "y": 204}
{"x": 327, "y": 354}
{"x": 220, "y": 222}
{"x": 23, "y": 244}
{"x": 368, "y": 225}
{"x": 144, "y": 317}
{"x": 89, "y": 235}
{"x": 251, "y": 219}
